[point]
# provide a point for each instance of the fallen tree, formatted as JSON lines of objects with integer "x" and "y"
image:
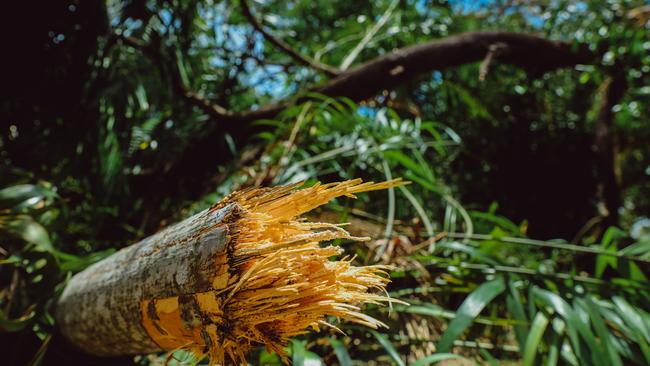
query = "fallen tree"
{"x": 245, "y": 272}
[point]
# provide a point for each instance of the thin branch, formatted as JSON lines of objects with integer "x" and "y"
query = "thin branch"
{"x": 214, "y": 110}
{"x": 494, "y": 52}
{"x": 368, "y": 37}
{"x": 302, "y": 59}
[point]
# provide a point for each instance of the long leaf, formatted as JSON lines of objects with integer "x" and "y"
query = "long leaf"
{"x": 575, "y": 327}
{"x": 603, "y": 333}
{"x": 14, "y": 325}
{"x": 537, "y": 330}
{"x": 23, "y": 196}
{"x": 388, "y": 346}
{"x": 516, "y": 309}
{"x": 341, "y": 352}
{"x": 472, "y": 251}
{"x": 470, "y": 309}
{"x": 435, "y": 358}
{"x": 24, "y": 227}
{"x": 300, "y": 356}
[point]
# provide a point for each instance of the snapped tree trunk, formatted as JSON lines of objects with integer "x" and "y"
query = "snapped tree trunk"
{"x": 245, "y": 272}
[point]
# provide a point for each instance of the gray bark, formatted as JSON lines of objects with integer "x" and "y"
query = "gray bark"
{"x": 99, "y": 310}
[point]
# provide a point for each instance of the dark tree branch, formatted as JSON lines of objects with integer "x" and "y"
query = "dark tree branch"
{"x": 605, "y": 147}
{"x": 280, "y": 44}
{"x": 534, "y": 54}
{"x": 150, "y": 50}
{"x": 192, "y": 170}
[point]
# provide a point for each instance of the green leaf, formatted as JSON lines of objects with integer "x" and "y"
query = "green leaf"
{"x": 555, "y": 343}
{"x": 516, "y": 309}
{"x": 14, "y": 325}
{"x": 638, "y": 320}
{"x": 73, "y": 263}
{"x": 300, "y": 356}
{"x": 26, "y": 228}
{"x": 487, "y": 356}
{"x": 470, "y": 309}
{"x": 537, "y": 330}
{"x": 269, "y": 359}
{"x": 435, "y": 358}
{"x": 473, "y": 252}
{"x": 22, "y": 195}
{"x": 473, "y": 105}
{"x": 341, "y": 352}
{"x": 182, "y": 70}
{"x": 510, "y": 227}
{"x": 419, "y": 209}
{"x": 409, "y": 164}
{"x": 568, "y": 355}
{"x": 388, "y": 346}
{"x": 438, "y": 312}
{"x": 575, "y": 326}
{"x": 602, "y": 331}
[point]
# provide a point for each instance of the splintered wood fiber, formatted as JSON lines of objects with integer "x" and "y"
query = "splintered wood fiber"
{"x": 248, "y": 271}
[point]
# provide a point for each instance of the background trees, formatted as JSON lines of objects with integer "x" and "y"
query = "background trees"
{"x": 121, "y": 117}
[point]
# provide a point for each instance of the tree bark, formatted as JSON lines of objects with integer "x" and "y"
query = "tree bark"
{"x": 605, "y": 147}
{"x": 105, "y": 298}
{"x": 245, "y": 272}
{"x": 532, "y": 53}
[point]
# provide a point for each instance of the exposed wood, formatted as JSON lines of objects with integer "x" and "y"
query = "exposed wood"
{"x": 245, "y": 272}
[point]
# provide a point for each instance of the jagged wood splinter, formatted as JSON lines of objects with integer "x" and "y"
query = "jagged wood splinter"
{"x": 245, "y": 272}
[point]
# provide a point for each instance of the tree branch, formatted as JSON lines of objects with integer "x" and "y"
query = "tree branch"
{"x": 280, "y": 44}
{"x": 534, "y": 54}
{"x": 604, "y": 147}
{"x": 368, "y": 37}
{"x": 212, "y": 109}
{"x": 492, "y": 54}
{"x": 190, "y": 284}
{"x": 190, "y": 173}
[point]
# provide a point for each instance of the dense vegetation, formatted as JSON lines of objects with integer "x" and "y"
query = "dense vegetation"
{"x": 523, "y": 238}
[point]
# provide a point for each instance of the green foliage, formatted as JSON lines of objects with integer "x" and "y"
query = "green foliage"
{"x": 549, "y": 302}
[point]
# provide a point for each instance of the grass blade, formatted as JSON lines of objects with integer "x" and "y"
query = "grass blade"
{"x": 341, "y": 352}
{"x": 470, "y": 309}
{"x": 388, "y": 346}
{"x": 601, "y": 330}
{"x": 537, "y": 330}
{"x": 435, "y": 358}
{"x": 575, "y": 327}
{"x": 516, "y": 309}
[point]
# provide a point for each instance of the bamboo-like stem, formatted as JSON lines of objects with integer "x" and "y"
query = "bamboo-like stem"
{"x": 245, "y": 272}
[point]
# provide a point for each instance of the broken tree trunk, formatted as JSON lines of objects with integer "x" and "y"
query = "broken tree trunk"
{"x": 245, "y": 272}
